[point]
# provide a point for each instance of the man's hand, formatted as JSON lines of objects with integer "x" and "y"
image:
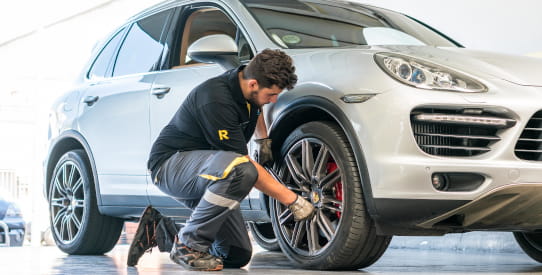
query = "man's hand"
{"x": 264, "y": 154}
{"x": 301, "y": 209}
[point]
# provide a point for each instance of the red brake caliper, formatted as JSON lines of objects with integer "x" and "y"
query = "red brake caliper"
{"x": 332, "y": 166}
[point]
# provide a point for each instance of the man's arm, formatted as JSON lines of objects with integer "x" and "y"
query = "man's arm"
{"x": 271, "y": 187}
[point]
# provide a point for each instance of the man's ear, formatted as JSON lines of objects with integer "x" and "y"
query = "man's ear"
{"x": 253, "y": 85}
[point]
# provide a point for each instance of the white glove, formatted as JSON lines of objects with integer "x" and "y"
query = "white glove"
{"x": 301, "y": 209}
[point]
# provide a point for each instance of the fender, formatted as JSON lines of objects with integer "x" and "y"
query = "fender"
{"x": 332, "y": 111}
{"x": 59, "y": 145}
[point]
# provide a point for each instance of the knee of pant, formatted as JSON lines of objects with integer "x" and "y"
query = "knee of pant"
{"x": 245, "y": 177}
{"x": 237, "y": 257}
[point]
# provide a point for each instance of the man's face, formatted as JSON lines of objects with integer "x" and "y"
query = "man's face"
{"x": 264, "y": 96}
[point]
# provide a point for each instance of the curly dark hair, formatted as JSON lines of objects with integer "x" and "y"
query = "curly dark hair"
{"x": 272, "y": 67}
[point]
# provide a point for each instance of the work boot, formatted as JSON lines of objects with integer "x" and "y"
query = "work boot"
{"x": 145, "y": 236}
{"x": 191, "y": 259}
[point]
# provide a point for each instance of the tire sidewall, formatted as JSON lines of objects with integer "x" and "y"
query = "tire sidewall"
{"x": 264, "y": 242}
{"x": 323, "y": 132}
{"x": 81, "y": 162}
{"x": 526, "y": 241}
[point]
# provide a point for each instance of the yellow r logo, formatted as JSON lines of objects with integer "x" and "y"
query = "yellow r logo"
{"x": 223, "y": 134}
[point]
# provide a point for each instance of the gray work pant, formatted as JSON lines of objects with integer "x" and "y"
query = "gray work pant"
{"x": 212, "y": 184}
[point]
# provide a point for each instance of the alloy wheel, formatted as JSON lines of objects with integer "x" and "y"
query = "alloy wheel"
{"x": 67, "y": 201}
{"x": 310, "y": 170}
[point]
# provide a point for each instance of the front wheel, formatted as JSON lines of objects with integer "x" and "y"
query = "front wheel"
{"x": 531, "y": 244}
{"x": 318, "y": 164}
{"x": 76, "y": 225}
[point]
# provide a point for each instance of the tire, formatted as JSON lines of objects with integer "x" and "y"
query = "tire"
{"x": 263, "y": 234}
{"x": 318, "y": 163}
{"x": 76, "y": 225}
{"x": 531, "y": 244}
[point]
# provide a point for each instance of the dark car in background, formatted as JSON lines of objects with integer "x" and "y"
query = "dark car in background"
{"x": 11, "y": 220}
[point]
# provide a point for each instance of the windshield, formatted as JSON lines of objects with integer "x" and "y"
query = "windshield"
{"x": 317, "y": 24}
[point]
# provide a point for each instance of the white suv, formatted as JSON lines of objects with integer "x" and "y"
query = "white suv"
{"x": 393, "y": 128}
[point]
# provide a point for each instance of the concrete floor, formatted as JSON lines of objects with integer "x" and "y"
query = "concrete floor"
{"x": 50, "y": 260}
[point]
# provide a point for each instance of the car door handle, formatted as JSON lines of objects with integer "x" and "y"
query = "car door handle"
{"x": 91, "y": 99}
{"x": 160, "y": 92}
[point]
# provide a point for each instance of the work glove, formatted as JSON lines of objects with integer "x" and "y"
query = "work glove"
{"x": 263, "y": 154}
{"x": 301, "y": 209}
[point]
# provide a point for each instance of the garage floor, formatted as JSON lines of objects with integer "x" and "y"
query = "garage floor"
{"x": 50, "y": 260}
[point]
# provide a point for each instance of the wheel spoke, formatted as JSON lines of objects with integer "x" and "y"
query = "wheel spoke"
{"x": 312, "y": 236}
{"x": 59, "y": 216}
{"x": 59, "y": 187}
{"x": 330, "y": 179}
{"x": 334, "y": 201}
{"x": 285, "y": 216}
{"x": 332, "y": 207}
{"x": 295, "y": 170}
{"x": 297, "y": 234}
{"x": 70, "y": 178}
{"x": 69, "y": 228}
{"x": 325, "y": 225}
{"x": 77, "y": 185}
{"x": 64, "y": 176}
{"x": 79, "y": 203}
{"x": 57, "y": 202}
{"x": 62, "y": 227}
{"x": 76, "y": 222}
{"x": 307, "y": 158}
{"x": 320, "y": 163}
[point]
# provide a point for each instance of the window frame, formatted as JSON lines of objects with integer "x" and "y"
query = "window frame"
{"x": 175, "y": 32}
{"x": 162, "y": 40}
{"x": 108, "y": 71}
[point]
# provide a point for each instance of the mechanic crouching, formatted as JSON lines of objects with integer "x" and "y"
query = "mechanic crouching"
{"x": 200, "y": 159}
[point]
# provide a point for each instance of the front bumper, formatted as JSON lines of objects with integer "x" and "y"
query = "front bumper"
{"x": 400, "y": 171}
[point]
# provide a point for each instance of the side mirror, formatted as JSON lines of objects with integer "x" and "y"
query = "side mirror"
{"x": 215, "y": 48}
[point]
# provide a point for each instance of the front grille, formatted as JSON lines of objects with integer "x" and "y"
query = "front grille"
{"x": 457, "y": 132}
{"x": 529, "y": 146}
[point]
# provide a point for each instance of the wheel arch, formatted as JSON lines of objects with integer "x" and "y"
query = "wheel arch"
{"x": 70, "y": 140}
{"x": 316, "y": 108}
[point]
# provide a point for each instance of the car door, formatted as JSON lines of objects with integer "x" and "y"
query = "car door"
{"x": 114, "y": 114}
{"x": 181, "y": 74}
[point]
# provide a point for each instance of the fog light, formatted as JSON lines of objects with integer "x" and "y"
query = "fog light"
{"x": 456, "y": 181}
{"x": 439, "y": 182}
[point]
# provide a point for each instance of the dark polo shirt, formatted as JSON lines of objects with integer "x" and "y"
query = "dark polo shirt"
{"x": 214, "y": 116}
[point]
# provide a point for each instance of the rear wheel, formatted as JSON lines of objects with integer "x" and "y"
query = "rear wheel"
{"x": 263, "y": 235}
{"x": 76, "y": 224}
{"x": 531, "y": 243}
{"x": 318, "y": 164}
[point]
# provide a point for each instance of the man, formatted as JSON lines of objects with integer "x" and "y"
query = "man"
{"x": 200, "y": 158}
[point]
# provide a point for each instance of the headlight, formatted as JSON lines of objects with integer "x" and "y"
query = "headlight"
{"x": 13, "y": 211}
{"x": 426, "y": 75}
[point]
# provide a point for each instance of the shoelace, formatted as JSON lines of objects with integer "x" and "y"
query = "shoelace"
{"x": 151, "y": 240}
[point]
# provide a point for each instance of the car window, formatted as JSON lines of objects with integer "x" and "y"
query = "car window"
{"x": 104, "y": 59}
{"x": 195, "y": 23}
{"x": 142, "y": 47}
{"x": 315, "y": 24}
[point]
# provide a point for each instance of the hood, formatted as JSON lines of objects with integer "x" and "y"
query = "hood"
{"x": 521, "y": 70}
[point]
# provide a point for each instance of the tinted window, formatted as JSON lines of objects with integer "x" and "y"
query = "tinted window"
{"x": 102, "y": 62}
{"x": 313, "y": 24}
{"x": 142, "y": 47}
